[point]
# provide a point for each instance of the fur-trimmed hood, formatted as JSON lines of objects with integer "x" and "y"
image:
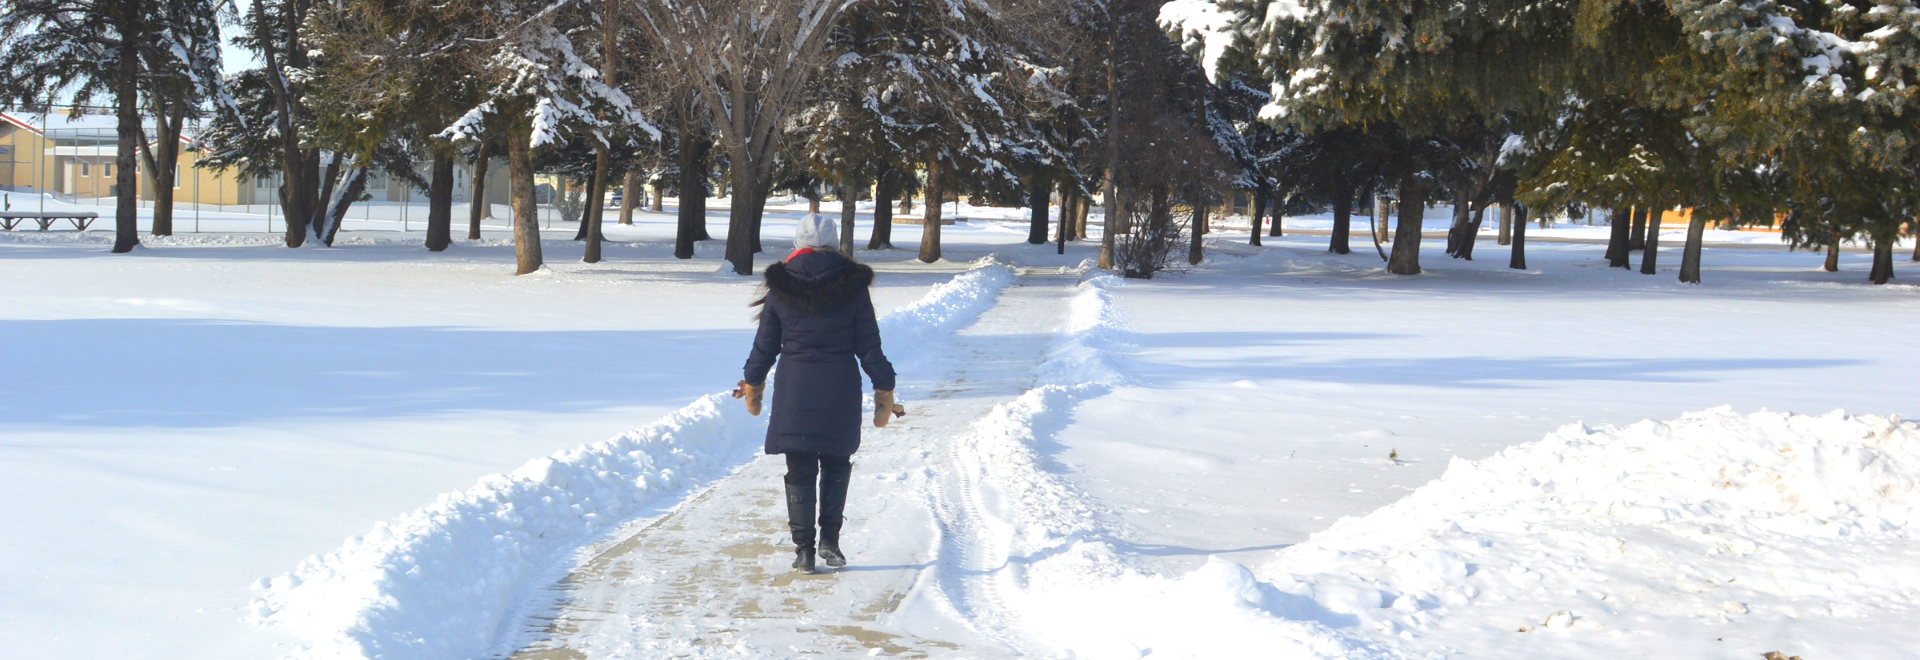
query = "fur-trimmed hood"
{"x": 817, "y": 282}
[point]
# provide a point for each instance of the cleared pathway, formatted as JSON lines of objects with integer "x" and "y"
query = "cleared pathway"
{"x": 712, "y": 578}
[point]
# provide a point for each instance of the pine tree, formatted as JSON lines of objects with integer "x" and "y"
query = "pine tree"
{"x": 541, "y": 94}
{"x": 1811, "y": 107}
{"x": 398, "y": 72}
{"x": 165, "y": 50}
{"x": 1427, "y": 70}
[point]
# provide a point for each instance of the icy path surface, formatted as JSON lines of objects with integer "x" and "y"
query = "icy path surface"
{"x": 711, "y": 579}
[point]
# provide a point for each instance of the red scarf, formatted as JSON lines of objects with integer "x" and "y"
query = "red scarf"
{"x": 799, "y": 252}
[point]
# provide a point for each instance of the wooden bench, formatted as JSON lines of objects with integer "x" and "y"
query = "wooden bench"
{"x": 80, "y": 219}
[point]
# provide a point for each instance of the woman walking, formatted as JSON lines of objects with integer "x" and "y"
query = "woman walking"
{"x": 817, "y": 320}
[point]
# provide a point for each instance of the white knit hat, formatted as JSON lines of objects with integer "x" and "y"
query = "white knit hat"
{"x": 816, "y": 231}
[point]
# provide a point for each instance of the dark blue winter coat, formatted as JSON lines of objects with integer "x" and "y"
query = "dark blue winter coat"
{"x": 817, "y": 320}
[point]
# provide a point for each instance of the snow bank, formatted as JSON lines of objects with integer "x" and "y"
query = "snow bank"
{"x": 1716, "y": 535}
{"x": 456, "y": 579}
{"x": 442, "y": 581}
{"x": 907, "y": 331}
{"x": 1027, "y": 558}
{"x": 1758, "y": 525}
{"x": 1094, "y": 326}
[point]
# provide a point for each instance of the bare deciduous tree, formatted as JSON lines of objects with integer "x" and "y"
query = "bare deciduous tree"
{"x": 751, "y": 62}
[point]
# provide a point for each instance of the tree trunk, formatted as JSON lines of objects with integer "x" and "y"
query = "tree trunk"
{"x": 1637, "y": 240}
{"x": 630, "y": 186}
{"x": 1459, "y": 224}
{"x": 1068, "y": 205}
{"x": 1882, "y": 271}
{"x": 349, "y": 189}
{"x": 758, "y": 210}
{"x": 1037, "y": 202}
{"x": 596, "y": 206}
{"x": 1506, "y": 226}
{"x": 478, "y": 209}
{"x": 163, "y": 165}
{"x": 1342, "y": 223}
{"x": 126, "y": 208}
{"x": 1259, "y": 212}
{"x": 1690, "y": 256}
{"x": 1916, "y": 240}
{"x": 882, "y": 236}
{"x": 1160, "y": 212}
{"x": 331, "y": 178}
{"x": 692, "y": 213}
{"x": 1472, "y": 238}
{"x": 602, "y": 160}
{"x": 1195, "y": 251}
{"x": 1405, "y": 259}
{"x": 849, "y": 209}
{"x": 906, "y": 199}
{"x": 813, "y": 203}
{"x": 1275, "y": 228}
{"x": 659, "y": 199}
{"x": 1619, "y": 235}
{"x": 440, "y": 202}
{"x": 930, "y": 238}
{"x": 1081, "y": 212}
{"x": 1518, "y": 218}
{"x": 165, "y": 171}
{"x": 1650, "y": 254}
{"x": 740, "y": 221}
{"x": 1066, "y": 219}
{"x": 591, "y": 183}
{"x": 1833, "y": 254}
{"x": 1109, "y": 224}
{"x": 1381, "y": 211}
{"x": 526, "y": 213}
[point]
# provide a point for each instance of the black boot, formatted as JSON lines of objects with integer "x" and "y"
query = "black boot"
{"x": 800, "y": 520}
{"x": 834, "y": 475}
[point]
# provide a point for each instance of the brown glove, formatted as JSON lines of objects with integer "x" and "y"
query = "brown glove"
{"x": 884, "y": 409}
{"x": 751, "y": 393}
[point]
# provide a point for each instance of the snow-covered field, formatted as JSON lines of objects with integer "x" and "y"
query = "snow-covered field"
{"x": 1280, "y": 453}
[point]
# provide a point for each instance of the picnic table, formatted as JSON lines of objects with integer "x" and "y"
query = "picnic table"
{"x": 80, "y": 219}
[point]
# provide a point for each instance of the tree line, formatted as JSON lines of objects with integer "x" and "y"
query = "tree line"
{"x": 1788, "y": 113}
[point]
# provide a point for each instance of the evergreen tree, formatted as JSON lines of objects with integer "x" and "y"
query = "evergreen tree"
{"x": 166, "y": 50}
{"x": 1816, "y": 99}
{"x": 398, "y": 71}
{"x": 540, "y": 93}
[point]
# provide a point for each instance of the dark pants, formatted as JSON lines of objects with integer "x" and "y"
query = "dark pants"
{"x": 830, "y": 473}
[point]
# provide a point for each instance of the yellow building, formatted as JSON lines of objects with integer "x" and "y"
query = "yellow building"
{"x": 74, "y": 157}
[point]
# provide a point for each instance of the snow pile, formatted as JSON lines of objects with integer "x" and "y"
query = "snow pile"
{"x": 1771, "y": 529}
{"x": 457, "y": 578}
{"x": 1026, "y": 557}
{"x": 1094, "y": 326}
{"x": 441, "y": 582}
{"x": 948, "y": 307}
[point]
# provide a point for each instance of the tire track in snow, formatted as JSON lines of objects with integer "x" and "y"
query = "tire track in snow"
{"x": 991, "y": 496}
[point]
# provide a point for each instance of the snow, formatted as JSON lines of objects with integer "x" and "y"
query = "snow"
{"x": 444, "y": 581}
{"x": 1277, "y": 453}
{"x": 1767, "y": 531}
{"x": 1204, "y": 26}
{"x": 1037, "y": 570}
{"x": 455, "y": 578}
